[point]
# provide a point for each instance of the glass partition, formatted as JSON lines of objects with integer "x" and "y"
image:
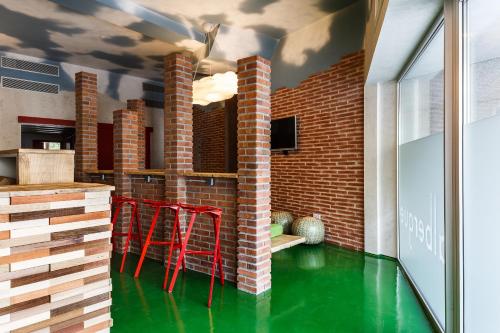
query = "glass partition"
{"x": 481, "y": 167}
{"x": 421, "y": 174}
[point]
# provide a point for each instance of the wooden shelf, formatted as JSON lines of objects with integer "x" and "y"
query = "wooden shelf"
{"x": 210, "y": 175}
{"x": 147, "y": 172}
{"x": 161, "y": 172}
{"x": 44, "y": 189}
{"x": 282, "y": 242}
{"x": 104, "y": 172}
{"x": 16, "y": 152}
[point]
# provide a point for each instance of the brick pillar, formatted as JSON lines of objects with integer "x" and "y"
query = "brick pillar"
{"x": 138, "y": 106}
{"x": 86, "y": 124}
{"x": 254, "y": 174}
{"x": 125, "y": 142}
{"x": 178, "y": 116}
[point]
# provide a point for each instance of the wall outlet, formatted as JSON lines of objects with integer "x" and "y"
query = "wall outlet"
{"x": 317, "y": 216}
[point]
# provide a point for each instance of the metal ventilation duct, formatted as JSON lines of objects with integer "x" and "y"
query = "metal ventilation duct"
{"x": 9, "y": 82}
{"x": 30, "y": 66}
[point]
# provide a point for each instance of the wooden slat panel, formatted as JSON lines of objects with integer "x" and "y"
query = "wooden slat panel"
{"x": 69, "y": 319}
{"x": 42, "y": 214}
{"x": 100, "y": 243}
{"x": 24, "y": 256}
{"x": 81, "y": 232}
{"x": 98, "y": 327}
{"x": 81, "y": 304}
{"x": 79, "y": 217}
{"x": 35, "y": 207}
{"x": 25, "y": 305}
{"x": 81, "y": 261}
{"x": 47, "y": 198}
{"x": 54, "y": 260}
{"x": 46, "y": 245}
{"x": 22, "y": 273}
{"x": 15, "y": 242}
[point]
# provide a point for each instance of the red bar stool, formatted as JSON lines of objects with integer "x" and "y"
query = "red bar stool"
{"x": 216, "y": 215}
{"x": 158, "y": 206}
{"x": 119, "y": 202}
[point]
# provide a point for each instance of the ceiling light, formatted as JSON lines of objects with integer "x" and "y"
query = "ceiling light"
{"x": 215, "y": 88}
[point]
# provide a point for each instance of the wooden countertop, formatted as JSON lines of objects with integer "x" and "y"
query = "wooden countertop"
{"x": 16, "y": 152}
{"x": 161, "y": 172}
{"x": 210, "y": 174}
{"x": 45, "y": 189}
{"x": 105, "y": 172}
{"x": 147, "y": 172}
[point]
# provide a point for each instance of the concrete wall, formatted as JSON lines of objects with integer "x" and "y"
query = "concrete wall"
{"x": 376, "y": 13}
{"x": 318, "y": 46}
{"x": 113, "y": 91}
{"x": 380, "y": 151}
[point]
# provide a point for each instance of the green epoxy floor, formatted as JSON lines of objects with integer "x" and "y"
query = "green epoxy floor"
{"x": 315, "y": 289}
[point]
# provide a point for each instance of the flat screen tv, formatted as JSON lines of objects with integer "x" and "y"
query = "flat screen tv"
{"x": 284, "y": 134}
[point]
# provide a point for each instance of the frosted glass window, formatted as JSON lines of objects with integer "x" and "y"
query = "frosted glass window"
{"x": 421, "y": 175}
{"x": 481, "y": 168}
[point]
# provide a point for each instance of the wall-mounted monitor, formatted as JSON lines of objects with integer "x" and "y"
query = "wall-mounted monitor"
{"x": 284, "y": 133}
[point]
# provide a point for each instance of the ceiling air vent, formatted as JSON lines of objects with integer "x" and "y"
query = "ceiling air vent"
{"x": 30, "y": 66}
{"x": 9, "y": 82}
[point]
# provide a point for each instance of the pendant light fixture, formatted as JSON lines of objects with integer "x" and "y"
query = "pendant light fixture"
{"x": 217, "y": 87}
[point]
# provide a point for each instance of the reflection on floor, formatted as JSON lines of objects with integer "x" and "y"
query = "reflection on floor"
{"x": 315, "y": 289}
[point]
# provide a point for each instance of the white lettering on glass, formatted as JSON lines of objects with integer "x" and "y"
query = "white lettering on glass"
{"x": 422, "y": 230}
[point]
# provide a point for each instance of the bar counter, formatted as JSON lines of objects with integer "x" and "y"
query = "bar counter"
{"x": 55, "y": 258}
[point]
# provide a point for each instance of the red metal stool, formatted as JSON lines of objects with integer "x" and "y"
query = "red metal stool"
{"x": 159, "y": 205}
{"x": 216, "y": 215}
{"x": 119, "y": 202}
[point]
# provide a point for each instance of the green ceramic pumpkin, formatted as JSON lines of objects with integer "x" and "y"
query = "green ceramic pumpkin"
{"x": 310, "y": 228}
{"x": 285, "y": 219}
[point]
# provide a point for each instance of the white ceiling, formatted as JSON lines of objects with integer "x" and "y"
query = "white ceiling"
{"x": 43, "y": 29}
{"x": 105, "y": 38}
{"x": 275, "y": 18}
{"x": 405, "y": 24}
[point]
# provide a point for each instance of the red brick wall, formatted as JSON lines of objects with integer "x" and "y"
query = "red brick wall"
{"x": 178, "y": 124}
{"x": 139, "y": 106}
{"x": 325, "y": 175}
{"x": 254, "y": 210}
{"x": 208, "y": 139}
{"x": 154, "y": 190}
{"x": 126, "y": 158}
{"x": 222, "y": 195}
{"x": 86, "y": 124}
{"x": 109, "y": 179}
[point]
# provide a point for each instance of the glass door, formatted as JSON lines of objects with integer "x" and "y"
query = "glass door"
{"x": 481, "y": 167}
{"x": 421, "y": 173}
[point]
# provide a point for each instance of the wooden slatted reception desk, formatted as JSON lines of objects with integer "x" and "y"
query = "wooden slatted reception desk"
{"x": 55, "y": 258}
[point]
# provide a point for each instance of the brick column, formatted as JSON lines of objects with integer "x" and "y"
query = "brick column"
{"x": 125, "y": 141}
{"x": 178, "y": 116}
{"x": 86, "y": 124}
{"x": 254, "y": 174}
{"x": 138, "y": 106}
